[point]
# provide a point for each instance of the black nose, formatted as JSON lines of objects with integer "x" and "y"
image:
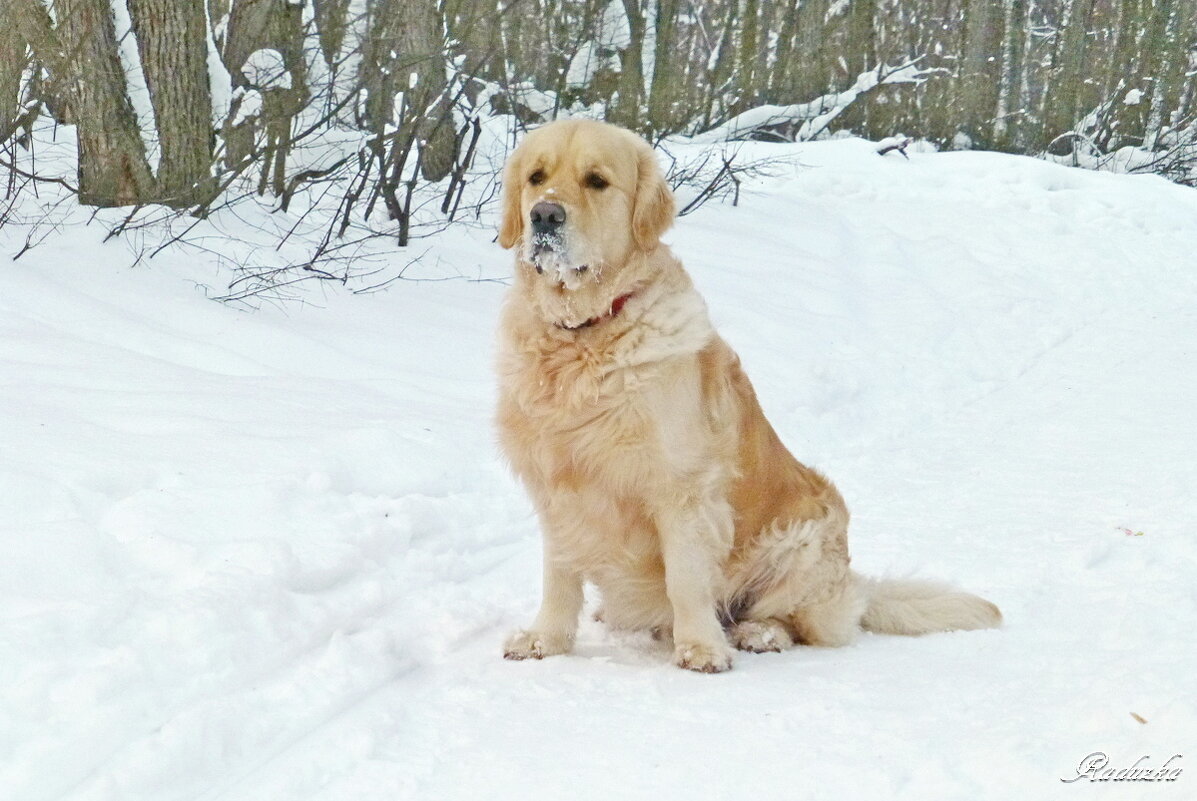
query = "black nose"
{"x": 547, "y": 217}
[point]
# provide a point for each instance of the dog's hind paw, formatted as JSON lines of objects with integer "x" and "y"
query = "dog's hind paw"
{"x": 760, "y": 636}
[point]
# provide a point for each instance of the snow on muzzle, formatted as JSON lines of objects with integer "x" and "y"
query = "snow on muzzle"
{"x": 549, "y": 249}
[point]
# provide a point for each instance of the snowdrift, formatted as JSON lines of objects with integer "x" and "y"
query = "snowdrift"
{"x": 273, "y": 555}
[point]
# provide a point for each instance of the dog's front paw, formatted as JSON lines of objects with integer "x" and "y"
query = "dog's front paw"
{"x": 703, "y": 657}
{"x": 535, "y": 645}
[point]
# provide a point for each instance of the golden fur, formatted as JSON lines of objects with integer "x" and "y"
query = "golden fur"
{"x": 639, "y": 438}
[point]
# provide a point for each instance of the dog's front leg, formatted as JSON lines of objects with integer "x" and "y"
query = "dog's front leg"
{"x": 553, "y": 630}
{"x": 694, "y": 540}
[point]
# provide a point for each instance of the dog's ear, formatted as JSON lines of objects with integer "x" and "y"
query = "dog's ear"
{"x": 654, "y": 208}
{"x": 511, "y": 225}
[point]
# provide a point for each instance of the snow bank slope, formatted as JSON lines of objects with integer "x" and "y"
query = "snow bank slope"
{"x": 273, "y": 555}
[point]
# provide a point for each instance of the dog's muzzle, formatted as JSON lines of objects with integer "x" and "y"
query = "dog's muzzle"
{"x": 547, "y": 223}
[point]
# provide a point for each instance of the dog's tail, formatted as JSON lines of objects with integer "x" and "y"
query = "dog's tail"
{"x": 911, "y": 606}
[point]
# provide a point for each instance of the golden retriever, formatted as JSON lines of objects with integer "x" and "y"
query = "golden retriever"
{"x": 652, "y": 469}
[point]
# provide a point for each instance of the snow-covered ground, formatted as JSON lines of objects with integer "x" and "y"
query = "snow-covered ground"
{"x": 272, "y": 556}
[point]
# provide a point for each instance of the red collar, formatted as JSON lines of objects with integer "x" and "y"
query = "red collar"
{"x": 616, "y": 308}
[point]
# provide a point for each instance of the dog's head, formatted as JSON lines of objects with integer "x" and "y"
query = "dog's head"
{"x": 580, "y": 198}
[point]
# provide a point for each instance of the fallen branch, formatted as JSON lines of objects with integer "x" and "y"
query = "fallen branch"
{"x": 802, "y": 122}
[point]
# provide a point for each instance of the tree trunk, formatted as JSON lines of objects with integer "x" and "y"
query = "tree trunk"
{"x": 940, "y": 108}
{"x": 744, "y": 85}
{"x": 405, "y": 53}
{"x": 861, "y": 42}
{"x": 172, "y": 40}
{"x": 331, "y": 24}
{"x": 1163, "y": 88}
{"x": 1187, "y": 59}
{"x": 721, "y": 76}
{"x": 785, "y": 47}
{"x": 1006, "y": 119}
{"x": 422, "y": 53}
{"x": 1062, "y": 91}
{"x": 13, "y": 62}
{"x": 256, "y": 25}
{"x": 626, "y": 111}
{"x": 978, "y": 97}
{"x": 663, "y": 91}
{"x": 1028, "y": 136}
{"x": 1124, "y": 78}
{"x": 811, "y": 75}
{"x": 112, "y": 163}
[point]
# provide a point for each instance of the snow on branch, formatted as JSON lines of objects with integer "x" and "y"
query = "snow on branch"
{"x": 802, "y": 122}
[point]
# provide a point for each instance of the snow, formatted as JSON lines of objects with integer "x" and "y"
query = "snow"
{"x": 612, "y": 34}
{"x": 273, "y": 555}
{"x": 615, "y": 32}
{"x": 538, "y": 102}
{"x": 266, "y": 69}
{"x": 220, "y": 83}
{"x": 250, "y": 104}
{"x": 835, "y": 9}
{"x": 583, "y": 66}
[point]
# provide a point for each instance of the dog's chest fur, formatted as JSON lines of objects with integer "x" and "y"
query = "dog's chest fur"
{"x": 590, "y": 419}
{"x": 601, "y": 422}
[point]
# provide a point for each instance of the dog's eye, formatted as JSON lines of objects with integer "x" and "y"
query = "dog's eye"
{"x": 596, "y": 181}
{"x": 536, "y": 178}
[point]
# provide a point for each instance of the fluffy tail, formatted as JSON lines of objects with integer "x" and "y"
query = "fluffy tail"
{"x": 909, "y": 606}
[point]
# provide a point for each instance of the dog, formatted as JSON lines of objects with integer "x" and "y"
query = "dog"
{"x": 653, "y": 471}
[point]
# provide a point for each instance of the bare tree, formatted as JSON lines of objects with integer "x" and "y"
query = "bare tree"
{"x": 14, "y": 60}
{"x": 91, "y": 92}
{"x": 667, "y": 71}
{"x": 359, "y": 119}
{"x": 277, "y": 84}
{"x": 627, "y": 109}
{"x": 1062, "y": 85}
{"x": 1007, "y": 114}
{"x": 172, "y": 41}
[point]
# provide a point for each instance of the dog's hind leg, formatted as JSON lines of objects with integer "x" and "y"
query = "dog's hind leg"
{"x": 804, "y": 588}
{"x": 830, "y": 621}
